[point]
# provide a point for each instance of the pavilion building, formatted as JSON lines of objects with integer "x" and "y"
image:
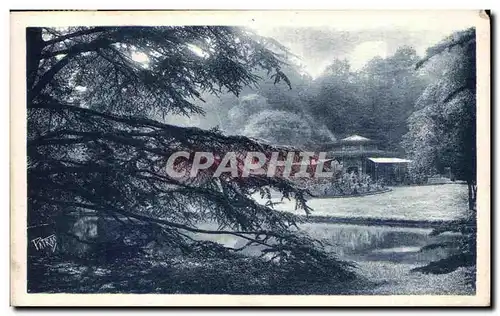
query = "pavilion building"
{"x": 359, "y": 154}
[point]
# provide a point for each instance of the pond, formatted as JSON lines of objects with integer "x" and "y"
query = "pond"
{"x": 386, "y": 254}
{"x": 383, "y": 255}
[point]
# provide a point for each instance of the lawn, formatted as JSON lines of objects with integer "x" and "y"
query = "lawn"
{"x": 385, "y": 255}
{"x": 431, "y": 202}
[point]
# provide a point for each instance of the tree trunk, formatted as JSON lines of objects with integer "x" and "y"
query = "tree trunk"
{"x": 34, "y": 46}
{"x": 472, "y": 191}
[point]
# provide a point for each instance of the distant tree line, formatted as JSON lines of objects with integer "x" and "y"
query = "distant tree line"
{"x": 374, "y": 101}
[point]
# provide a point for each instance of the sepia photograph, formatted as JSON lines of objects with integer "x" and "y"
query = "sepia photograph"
{"x": 297, "y": 155}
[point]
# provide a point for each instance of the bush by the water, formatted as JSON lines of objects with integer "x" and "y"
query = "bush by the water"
{"x": 346, "y": 184}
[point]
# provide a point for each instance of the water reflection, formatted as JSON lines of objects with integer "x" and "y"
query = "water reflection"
{"x": 379, "y": 243}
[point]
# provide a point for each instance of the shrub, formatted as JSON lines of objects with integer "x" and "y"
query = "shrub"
{"x": 345, "y": 184}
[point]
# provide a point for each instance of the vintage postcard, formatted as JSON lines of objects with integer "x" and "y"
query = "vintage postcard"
{"x": 250, "y": 158}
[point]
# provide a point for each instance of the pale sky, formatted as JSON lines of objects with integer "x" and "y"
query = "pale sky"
{"x": 317, "y": 46}
{"x": 357, "y": 36}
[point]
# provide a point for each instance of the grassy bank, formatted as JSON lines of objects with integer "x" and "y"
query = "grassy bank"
{"x": 429, "y": 203}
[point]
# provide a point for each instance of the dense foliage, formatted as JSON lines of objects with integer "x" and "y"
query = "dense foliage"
{"x": 374, "y": 101}
{"x": 98, "y": 139}
{"x": 442, "y": 129}
{"x": 443, "y": 134}
{"x": 344, "y": 184}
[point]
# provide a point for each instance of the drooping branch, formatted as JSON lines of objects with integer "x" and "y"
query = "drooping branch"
{"x": 75, "y": 34}
{"x": 46, "y": 78}
{"x": 149, "y": 142}
{"x": 78, "y": 48}
{"x": 49, "y": 75}
{"x": 104, "y": 152}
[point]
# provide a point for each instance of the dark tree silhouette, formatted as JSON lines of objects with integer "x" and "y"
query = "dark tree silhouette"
{"x": 96, "y": 140}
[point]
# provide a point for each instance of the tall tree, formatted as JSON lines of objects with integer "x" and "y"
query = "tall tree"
{"x": 443, "y": 134}
{"x": 96, "y": 100}
{"x": 374, "y": 101}
{"x": 332, "y": 99}
{"x": 390, "y": 88}
{"x": 443, "y": 128}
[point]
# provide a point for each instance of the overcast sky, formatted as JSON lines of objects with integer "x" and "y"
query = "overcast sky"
{"x": 318, "y": 46}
